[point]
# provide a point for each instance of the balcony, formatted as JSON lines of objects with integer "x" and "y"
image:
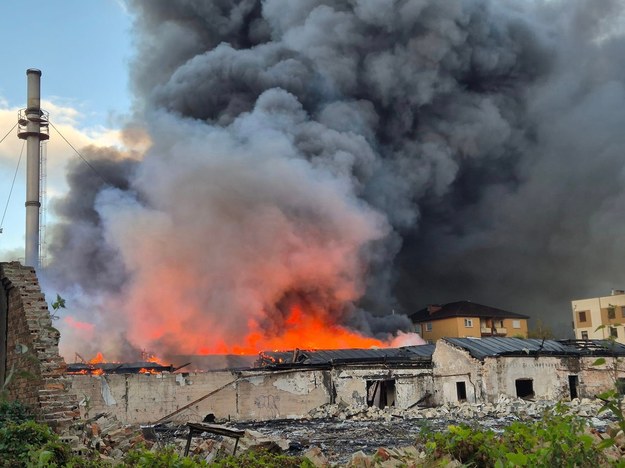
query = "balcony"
{"x": 487, "y": 331}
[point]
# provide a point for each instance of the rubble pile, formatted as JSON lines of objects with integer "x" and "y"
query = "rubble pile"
{"x": 334, "y": 433}
{"x": 105, "y": 434}
{"x": 505, "y": 408}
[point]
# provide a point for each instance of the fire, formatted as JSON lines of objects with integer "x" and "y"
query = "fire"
{"x": 310, "y": 330}
{"x": 98, "y": 359}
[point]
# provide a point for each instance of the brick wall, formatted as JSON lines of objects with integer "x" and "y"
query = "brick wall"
{"x": 33, "y": 370}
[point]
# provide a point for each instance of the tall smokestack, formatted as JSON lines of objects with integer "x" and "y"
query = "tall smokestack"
{"x": 31, "y": 123}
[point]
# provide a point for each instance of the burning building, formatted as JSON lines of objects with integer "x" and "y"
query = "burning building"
{"x": 281, "y": 385}
{"x": 314, "y": 166}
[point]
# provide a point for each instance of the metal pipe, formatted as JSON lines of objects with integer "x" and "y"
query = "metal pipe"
{"x": 33, "y": 164}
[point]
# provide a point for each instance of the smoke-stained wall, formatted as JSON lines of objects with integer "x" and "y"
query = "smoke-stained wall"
{"x": 357, "y": 157}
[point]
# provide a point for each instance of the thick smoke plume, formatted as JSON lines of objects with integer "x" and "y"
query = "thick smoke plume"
{"x": 350, "y": 158}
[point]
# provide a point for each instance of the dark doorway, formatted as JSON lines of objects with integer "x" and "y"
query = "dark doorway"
{"x": 461, "y": 391}
{"x": 524, "y": 388}
{"x": 381, "y": 393}
{"x": 573, "y": 383}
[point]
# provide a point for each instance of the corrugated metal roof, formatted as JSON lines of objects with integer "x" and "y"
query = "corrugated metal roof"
{"x": 343, "y": 356}
{"x": 480, "y": 348}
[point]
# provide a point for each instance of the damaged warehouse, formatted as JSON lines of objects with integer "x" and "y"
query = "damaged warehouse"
{"x": 290, "y": 384}
{"x": 284, "y": 385}
{"x": 293, "y": 384}
{"x": 474, "y": 370}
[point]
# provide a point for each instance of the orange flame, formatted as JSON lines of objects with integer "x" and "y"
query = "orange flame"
{"x": 300, "y": 330}
{"x": 98, "y": 359}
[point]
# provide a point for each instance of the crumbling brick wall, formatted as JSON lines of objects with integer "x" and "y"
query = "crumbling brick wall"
{"x": 32, "y": 371}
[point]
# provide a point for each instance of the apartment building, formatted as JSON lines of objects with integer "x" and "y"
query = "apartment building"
{"x": 465, "y": 319}
{"x": 599, "y": 318}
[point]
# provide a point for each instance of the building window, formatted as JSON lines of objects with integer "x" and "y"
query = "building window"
{"x": 582, "y": 316}
{"x": 380, "y": 393}
{"x": 584, "y": 335}
{"x": 614, "y": 332}
{"x": 461, "y": 391}
{"x": 611, "y": 313}
{"x": 498, "y": 323}
{"x": 428, "y": 326}
{"x": 417, "y": 328}
{"x": 623, "y": 311}
{"x": 516, "y": 324}
{"x": 524, "y": 388}
{"x": 468, "y": 323}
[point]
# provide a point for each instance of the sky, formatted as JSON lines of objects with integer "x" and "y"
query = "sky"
{"x": 83, "y": 49}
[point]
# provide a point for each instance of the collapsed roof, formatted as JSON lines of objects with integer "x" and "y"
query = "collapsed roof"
{"x": 414, "y": 356}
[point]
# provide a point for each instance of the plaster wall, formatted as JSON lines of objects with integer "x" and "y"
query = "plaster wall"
{"x": 411, "y": 385}
{"x": 453, "y": 366}
{"x": 145, "y": 398}
{"x": 598, "y": 379}
{"x": 243, "y": 395}
{"x": 549, "y": 375}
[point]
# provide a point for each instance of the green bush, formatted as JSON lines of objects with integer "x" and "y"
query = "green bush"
{"x": 166, "y": 457}
{"x": 13, "y": 411}
{"x": 262, "y": 458}
{"x": 555, "y": 440}
{"x": 17, "y": 440}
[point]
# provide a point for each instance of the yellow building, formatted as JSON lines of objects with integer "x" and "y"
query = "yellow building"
{"x": 590, "y": 314}
{"x": 467, "y": 319}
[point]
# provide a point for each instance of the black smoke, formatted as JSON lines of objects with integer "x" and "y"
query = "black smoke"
{"x": 470, "y": 149}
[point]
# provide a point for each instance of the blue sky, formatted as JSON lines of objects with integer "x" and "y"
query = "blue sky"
{"x": 83, "y": 48}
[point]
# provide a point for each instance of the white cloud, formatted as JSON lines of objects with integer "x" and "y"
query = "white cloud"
{"x": 69, "y": 121}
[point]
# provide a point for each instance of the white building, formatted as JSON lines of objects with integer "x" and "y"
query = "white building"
{"x": 590, "y": 314}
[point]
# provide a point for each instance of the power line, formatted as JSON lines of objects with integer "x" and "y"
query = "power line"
{"x": 8, "y": 133}
{"x": 81, "y": 156}
{"x": 12, "y": 184}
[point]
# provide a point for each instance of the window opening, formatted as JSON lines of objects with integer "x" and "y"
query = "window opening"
{"x": 524, "y": 388}
{"x": 573, "y": 383}
{"x": 584, "y": 335}
{"x": 461, "y": 391}
{"x": 381, "y": 393}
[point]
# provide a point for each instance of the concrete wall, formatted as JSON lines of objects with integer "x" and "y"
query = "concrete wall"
{"x": 247, "y": 395}
{"x": 597, "y": 379}
{"x": 140, "y": 398}
{"x": 33, "y": 370}
{"x": 411, "y": 385}
{"x": 452, "y": 366}
{"x": 485, "y": 381}
{"x": 549, "y": 376}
